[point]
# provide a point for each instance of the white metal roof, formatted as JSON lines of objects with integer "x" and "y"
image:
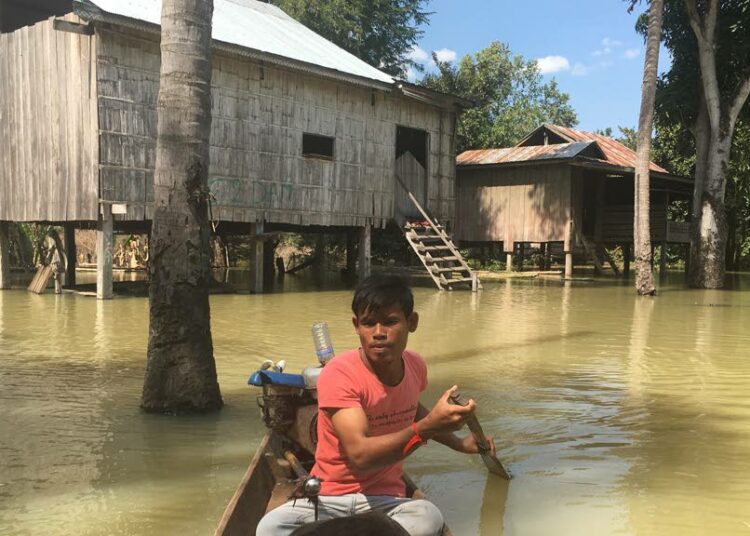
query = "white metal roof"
{"x": 256, "y": 26}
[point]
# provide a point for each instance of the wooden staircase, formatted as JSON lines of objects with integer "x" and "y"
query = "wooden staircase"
{"x": 439, "y": 255}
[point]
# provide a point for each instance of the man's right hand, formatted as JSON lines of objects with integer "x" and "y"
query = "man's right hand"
{"x": 445, "y": 416}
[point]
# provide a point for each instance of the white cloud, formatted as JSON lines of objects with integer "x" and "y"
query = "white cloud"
{"x": 418, "y": 55}
{"x": 631, "y": 53}
{"x": 553, "y": 64}
{"x": 411, "y": 74}
{"x": 579, "y": 69}
{"x": 611, "y": 43}
{"x": 446, "y": 55}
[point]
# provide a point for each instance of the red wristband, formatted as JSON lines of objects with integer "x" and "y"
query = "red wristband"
{"x": 415, "y": 440}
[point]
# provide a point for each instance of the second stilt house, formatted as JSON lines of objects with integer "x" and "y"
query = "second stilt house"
{"x": 304, "y": 136}
{"x": 564, "y": 188}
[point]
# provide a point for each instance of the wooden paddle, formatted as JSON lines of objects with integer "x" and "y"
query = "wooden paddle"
{"x": 494, "y": 465}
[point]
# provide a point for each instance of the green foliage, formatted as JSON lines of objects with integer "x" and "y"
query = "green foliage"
{"x": 380, "y": 32}
{"x": 510, "y": 98}
{"x": 678, "y": 98}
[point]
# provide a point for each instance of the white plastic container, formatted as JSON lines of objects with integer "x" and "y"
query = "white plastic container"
{"x": 322, "y": 341}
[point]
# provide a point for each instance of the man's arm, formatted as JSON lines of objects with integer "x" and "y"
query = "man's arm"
{"x": 365, "y": 452}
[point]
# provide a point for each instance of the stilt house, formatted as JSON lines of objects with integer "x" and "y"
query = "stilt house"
{"x": 561, "y": 186}
{"x": 304, "y": 135}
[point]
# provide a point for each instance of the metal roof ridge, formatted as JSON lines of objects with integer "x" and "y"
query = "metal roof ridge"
{"x": 356, "y": 70}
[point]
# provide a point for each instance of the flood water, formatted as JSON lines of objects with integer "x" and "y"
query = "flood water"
{"x": 616, "y": 415}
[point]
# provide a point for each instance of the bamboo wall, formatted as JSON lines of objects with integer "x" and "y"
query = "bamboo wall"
{"x": 259, "y": 115}
{"x": 520, "y": 204}
{"x": 48, "y": 142}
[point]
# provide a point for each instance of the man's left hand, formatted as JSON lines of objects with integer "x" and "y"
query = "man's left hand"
{"x": 468, "y": 445}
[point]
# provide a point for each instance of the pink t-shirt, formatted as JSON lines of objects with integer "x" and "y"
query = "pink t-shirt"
{"x": 346, "y": 382}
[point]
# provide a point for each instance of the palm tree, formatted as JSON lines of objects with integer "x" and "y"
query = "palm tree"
{"x": 181, "y": 372}
{"x": 644, "y": 277}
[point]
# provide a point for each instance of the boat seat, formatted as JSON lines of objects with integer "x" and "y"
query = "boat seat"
{"x": 259, "y": 378}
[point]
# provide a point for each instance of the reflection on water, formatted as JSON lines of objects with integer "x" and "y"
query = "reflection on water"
{"x": 616, "y": 415}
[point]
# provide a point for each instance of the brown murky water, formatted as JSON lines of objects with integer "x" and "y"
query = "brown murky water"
{"x": 616, "y": 415}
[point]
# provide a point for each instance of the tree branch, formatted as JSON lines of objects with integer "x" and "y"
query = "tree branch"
{"x": 695, "y": 20}
{"x": 739, "y": 101}
{"x": 713, "y": 14}
{"x": 704, "y": 33}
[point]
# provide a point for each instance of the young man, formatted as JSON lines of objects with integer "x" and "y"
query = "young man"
{"x": 370, "y": 419}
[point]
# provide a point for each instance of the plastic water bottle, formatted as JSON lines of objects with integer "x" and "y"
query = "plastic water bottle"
{"x": 322, "y": 341}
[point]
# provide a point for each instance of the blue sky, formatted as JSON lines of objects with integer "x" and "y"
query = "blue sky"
{"x": 589, "y": 46}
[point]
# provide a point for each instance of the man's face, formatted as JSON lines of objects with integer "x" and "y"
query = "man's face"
{"x": 383, "y": 334}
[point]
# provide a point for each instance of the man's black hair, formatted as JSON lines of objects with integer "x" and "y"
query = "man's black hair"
{"x": 379, "y": 291}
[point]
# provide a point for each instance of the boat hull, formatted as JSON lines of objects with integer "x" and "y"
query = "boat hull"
{"x": 267, "y": 483}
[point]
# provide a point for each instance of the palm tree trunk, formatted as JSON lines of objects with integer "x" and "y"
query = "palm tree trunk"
{"x": 181, "y": 372}
{"x": 644, "y": 277}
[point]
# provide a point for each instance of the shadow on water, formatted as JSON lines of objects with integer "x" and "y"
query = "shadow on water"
{"x": 534, "y": 341}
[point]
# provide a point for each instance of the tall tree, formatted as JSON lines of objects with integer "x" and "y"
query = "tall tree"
{"x": 706, "y": 89}
{"x": 644, "y": 276}
{"x": 717, "y": 118}
{"x": 510, "y": 97}
{"x": 380, "y": 32}
{"x": 181, "y": 372}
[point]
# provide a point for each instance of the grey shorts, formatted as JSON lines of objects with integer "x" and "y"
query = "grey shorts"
{"x": 417, "y": 516}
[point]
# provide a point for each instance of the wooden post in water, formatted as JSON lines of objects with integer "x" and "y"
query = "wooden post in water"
{"x": 365, "y": 240}
{"x": 663, "y": 260}
{"x": 256, "y": 257}
{"x": 508, "y": 256}
{"x": 599, "y": 224}
{"x": 4, "y": 255}
{"x": 351, "y": 252}
{"x": 104, "y": 238}
{"x": 626, "y": 260}
{"x": 70, "y": 251}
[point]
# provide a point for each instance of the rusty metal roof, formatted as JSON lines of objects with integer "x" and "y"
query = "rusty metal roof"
{"x": 576, "y": 143}
{"x": 614, "y": 152}
{"x": 557, "y": 151}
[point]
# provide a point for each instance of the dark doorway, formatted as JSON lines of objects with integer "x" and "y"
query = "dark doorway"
{"x": 411, "y": 172}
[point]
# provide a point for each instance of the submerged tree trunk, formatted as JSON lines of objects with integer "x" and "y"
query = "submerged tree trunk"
{"x": 181, "y": 372}
{"x": 714, "y": 134}
{"x": 644, "y": 276}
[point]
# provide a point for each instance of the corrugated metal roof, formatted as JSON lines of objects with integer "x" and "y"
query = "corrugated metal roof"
{"x": 615, "y": 152}
{"x": 555, "y": 151}
{"x": 257, "y": 26}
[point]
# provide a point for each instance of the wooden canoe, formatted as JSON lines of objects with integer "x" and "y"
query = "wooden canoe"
{"x": 267, "y": 483}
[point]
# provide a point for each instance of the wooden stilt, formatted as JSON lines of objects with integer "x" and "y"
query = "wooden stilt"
{"x": 351, "y": 252}
{"x": 269, "y": 250}
{"x": 508, "y": 261}
{"x": 599, "y": 226}
{"x": 4, "y": 255}
{"x": 104, "y": 239}
{"x": 521, "y": 255}
{"x": 547, "y": 256}
{"x": 626, "y": 259}
{"x": 663, "y": 260}
{"x": 568, "y": 264}
{"x": 365, "y": 239}
{"x": 70, "y": 251}
{"x": 256, "y": 257}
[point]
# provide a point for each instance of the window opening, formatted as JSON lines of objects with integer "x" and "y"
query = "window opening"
{"x": 316, "y": 146}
